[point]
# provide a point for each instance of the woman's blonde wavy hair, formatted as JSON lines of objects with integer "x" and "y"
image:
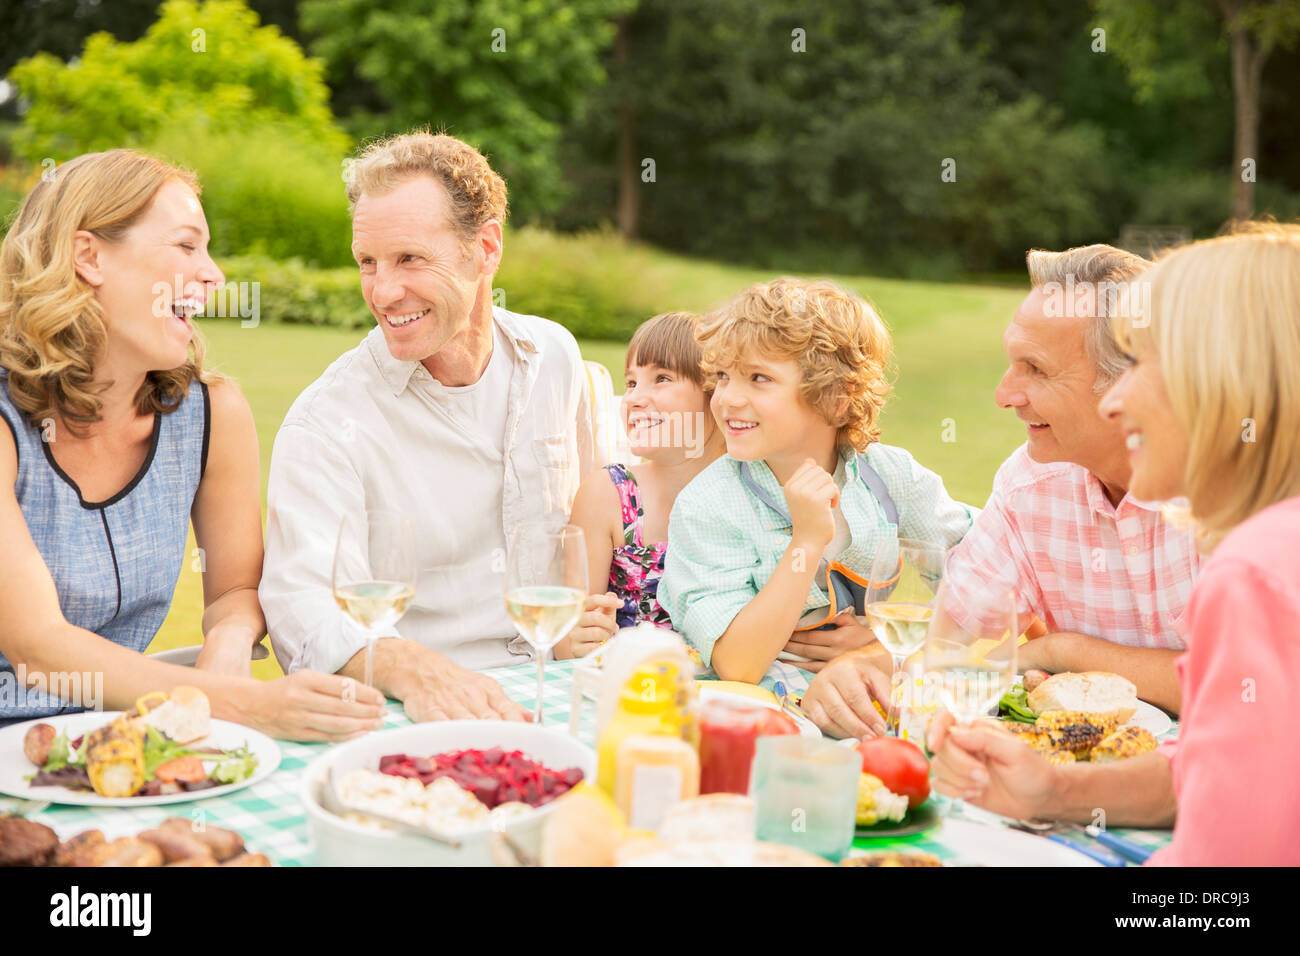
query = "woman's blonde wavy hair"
{"x": 840, "y": 343}
{"x": 52, "y": 327}
{"x": 1223, "y": 315}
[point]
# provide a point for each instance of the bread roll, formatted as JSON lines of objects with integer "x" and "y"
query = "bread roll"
{"x": 714, "y": 816}
{"x": 1092, "y": 692}
{"x": 184, "y": 717}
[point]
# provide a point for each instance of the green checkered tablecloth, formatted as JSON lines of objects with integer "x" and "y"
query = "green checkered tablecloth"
{"x": 272, "y": 821}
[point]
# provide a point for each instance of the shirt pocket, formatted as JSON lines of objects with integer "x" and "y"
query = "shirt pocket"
{"x": 557, "y": 464}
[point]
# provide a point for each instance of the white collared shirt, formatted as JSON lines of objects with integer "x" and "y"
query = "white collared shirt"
{"x": 376, "y": 432}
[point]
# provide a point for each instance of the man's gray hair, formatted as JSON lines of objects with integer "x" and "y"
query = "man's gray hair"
{"x": 1104, "y": 269}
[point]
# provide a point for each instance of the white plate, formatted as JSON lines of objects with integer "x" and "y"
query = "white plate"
{"x": 1152, "y": 718}
{"x": 14, "y": 765}
{"x": 996, "y": 845}
{"x": 806, "y": 727}
{"x": 188, "y": 656}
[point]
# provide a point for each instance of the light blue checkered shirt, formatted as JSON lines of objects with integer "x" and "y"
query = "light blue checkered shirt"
{"x": 724, "y": 543}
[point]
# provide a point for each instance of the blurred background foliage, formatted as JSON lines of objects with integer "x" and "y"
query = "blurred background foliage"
{"x": 803, "y": 137}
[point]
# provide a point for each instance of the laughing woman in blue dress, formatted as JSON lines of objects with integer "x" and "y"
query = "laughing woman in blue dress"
{"x": 114, "y": 439}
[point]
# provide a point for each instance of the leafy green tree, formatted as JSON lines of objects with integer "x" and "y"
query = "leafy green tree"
{"x": 818, "y": 136}
{"x": 1173, "y": 49}
{"x": 206, "y": 63}
{"x": 504, "y": 75}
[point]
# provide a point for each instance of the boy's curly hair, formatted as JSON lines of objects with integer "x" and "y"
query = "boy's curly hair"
{"x": 840, "y": 343}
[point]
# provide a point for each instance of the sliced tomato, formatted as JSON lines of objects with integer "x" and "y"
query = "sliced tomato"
{"x": 182, "y": 769}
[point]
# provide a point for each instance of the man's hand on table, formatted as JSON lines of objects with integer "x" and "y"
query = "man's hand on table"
{"x": 823, "y": 646}
{"x": 991, "y": 768}
{"x": 840, "y": 698}
{"x": 451, "y": 692}
{"x": 431, "y": 686}
{"x": 594, "y": 627}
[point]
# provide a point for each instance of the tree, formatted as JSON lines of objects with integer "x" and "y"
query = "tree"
{"x": 1173, "y": 49}
{"x": 817, "y": 136}
{"x": 208, "y": 63}
{"x": 504, "y": 76}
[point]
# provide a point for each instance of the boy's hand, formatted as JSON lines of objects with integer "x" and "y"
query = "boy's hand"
{"x": 810, "y": 495}
{"x": 596, "y": 625}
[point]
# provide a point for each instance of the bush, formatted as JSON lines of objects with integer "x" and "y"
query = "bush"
{"x": 267, "y": 191}
{"x": 198, "y": 60}
{"x": 595, "y": 285}
{"x": 291, "y": 291}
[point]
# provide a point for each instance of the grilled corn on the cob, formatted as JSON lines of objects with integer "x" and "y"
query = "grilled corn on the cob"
{"x": 1128, "y": 741}
{"x": 115, "y": 758}
{"x": 1076, "y": 731}
{"x": 876, "y": 803}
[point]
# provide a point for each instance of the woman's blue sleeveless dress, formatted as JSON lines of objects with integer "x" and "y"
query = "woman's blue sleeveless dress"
{"x": 115, "y": 563}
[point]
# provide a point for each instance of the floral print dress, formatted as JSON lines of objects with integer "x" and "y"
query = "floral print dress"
{"x": 636, "y": 568}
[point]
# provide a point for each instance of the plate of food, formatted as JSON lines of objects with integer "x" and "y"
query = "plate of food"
{"x": 1091, "y": 716}
{"x": 893, "y": 789}
{"x": 174, "y": 842}
{"x": 166, "y": 749}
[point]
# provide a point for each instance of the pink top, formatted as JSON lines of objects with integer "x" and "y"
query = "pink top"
{"x": 1081, "y": 564}
{"x": 1236, "y": 768}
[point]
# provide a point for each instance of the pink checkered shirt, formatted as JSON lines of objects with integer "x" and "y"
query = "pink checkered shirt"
{"x": 1080, "y": 563}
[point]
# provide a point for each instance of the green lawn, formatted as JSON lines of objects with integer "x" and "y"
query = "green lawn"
{"x": 948, "y": 359}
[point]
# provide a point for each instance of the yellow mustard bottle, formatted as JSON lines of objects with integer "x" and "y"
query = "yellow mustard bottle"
{"x": 654, "y": 701}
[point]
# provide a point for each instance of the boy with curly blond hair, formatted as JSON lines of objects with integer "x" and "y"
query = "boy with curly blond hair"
{"x": 770, "y": 547}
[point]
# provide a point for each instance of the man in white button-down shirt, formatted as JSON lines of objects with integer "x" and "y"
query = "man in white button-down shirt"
{"x": 468, "y": 418}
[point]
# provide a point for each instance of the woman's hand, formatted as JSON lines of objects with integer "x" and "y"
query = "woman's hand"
{"x": 992, "y": 768}
{"x": 307, "y": 705}
{"x": 846, "y": 634}
{"x": 228, "y": 650}
{"x": 594, "y": 627}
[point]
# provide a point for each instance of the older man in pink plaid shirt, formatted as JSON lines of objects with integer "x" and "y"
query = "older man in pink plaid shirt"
{"x": 1102, "y": 579}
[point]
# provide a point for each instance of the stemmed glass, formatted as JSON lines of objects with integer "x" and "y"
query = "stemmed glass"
{"x": 970, "y": 651}
{"x": 546, "y": 585}
{"x": 374, "y": 573}
{"x": 898, "y": 609}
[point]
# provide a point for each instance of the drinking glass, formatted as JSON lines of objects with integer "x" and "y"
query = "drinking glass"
{"x": 970, "y": 651}
{"x": 546, "y": 585}
{"x": 898, "y": 610}
{"x": 806, "y": 790}
{"x": 374, "y": 573}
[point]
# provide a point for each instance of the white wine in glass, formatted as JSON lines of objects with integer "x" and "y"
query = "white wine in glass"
{"x": 904, "y": 580}
{"x": 374, "y": 573}
{"x": 970, "y": 651}
{"x": 546, "y": 587}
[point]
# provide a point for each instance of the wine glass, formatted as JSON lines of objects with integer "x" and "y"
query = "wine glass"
{"x": 903, "y": 582}
{"x": 546, "y": 585}
{"x": 970, "y": 651}
{"x": 374, "y": 573}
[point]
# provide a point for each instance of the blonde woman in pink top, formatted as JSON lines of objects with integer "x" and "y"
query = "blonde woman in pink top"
{"x": 1211, "y": 411}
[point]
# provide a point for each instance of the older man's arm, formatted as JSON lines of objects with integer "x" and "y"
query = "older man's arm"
{"x": 1150, "y": 669}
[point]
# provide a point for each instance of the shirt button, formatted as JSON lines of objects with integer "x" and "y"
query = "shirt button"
{"x": 1133, "y": 550}
{"x": 1146, "y": 621}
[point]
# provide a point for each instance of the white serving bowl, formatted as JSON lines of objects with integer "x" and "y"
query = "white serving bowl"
{"x": 336, "y": 842}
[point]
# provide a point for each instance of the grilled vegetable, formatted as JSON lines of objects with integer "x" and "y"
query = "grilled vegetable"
{"x": 1014, "y": 706}
{"x": 115, "y": 759}
{"x": 1076, "y": 731}
{"x": 1128, "y": 741}
{"x": 1037, "y": 737}
{"x": 1059, "y": 758}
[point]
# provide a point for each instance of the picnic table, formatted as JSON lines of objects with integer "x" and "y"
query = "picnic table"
{"x": 272, "y": 821}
